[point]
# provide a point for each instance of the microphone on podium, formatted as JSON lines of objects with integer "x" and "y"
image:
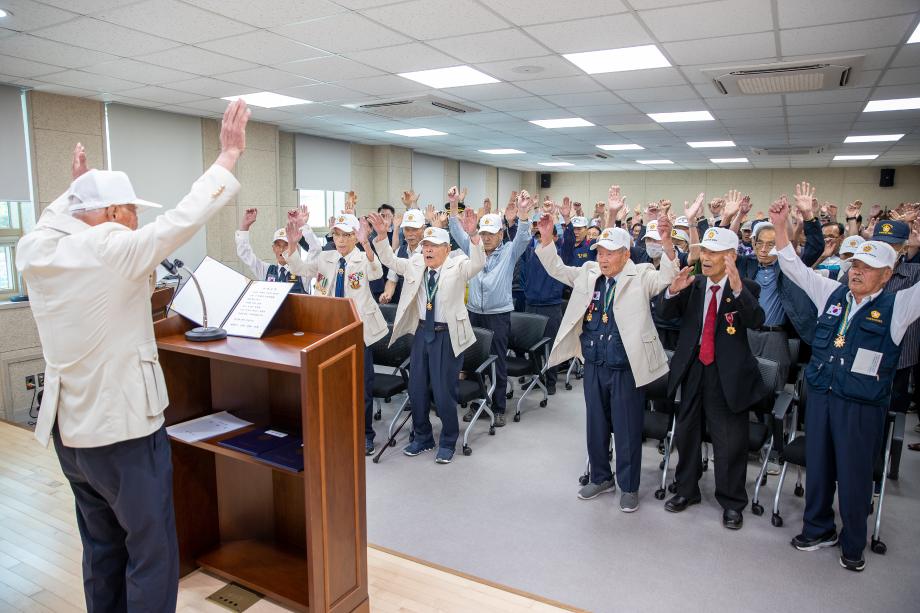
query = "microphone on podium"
{"x": 200, "y": 333}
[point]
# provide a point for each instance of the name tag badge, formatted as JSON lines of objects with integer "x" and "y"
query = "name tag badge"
{"x": 835, "y": 310}
{"x": 597, "y": 296}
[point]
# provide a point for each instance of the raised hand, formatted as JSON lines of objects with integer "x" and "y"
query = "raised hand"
{"x": 615, "y": 199}
{"x": 578, "y": 208}
{"x": 351, "y": 202}
{"x": 734, "y": 279}
{"x": 854, "y": 208}
{"x": 397, "y": 221}
{"x": 487, "y": 206}
{"x": 664, "y": 228}
{"x": 545, "y": 226}
{"x": 692, "y": 211}
{"x": 511, "y": 212}
{"x": 715, "y": 206}
{"x": 379, "y": 224}
{"x": 249, "y": 218}
{"x": 746, "y": 206}
{"x": 430, "y": 214}
{"x": 682, "y": 281}
{"x": 463, "y": 193}
{"x": 875, "y": 211}
{"x": 513, "y": 198}
{"x": 453, "y": 197}
{"x": 440, "y": 219}
{"x": 292, "y": 230}
{"x": 78, "y": 164}
{"x": 779, "y": 213}
{"x": 651, "y": 212}
{"x": 524, "y": 205}
{"x": 566, "y": 209}
{"x": 599, "y": 208}
{"x": 233, "y": 134}
{"x": 804, "y": 194}
{"x": 410, "y": 199}
{"x": 364, "y": 231}
{"x": 732, "y": 204}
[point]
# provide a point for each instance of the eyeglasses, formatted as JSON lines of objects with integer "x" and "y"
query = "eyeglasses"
{"x": 763, "y": 245}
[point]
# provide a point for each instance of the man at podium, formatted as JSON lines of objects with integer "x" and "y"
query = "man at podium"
{"x": 90, "y": 272}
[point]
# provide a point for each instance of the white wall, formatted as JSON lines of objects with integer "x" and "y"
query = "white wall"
{"x": 508, "y": 181}
{"x": 322, "y": 163}
{"x": 428, "y": 179}
{"x": 14, "y": 171}
{"x": 473, "y": 177}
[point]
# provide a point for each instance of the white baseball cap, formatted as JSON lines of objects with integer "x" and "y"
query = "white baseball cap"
{"x": 747, "y": 226}
{"x": 613, "y": 239}
{"x": 651, "y": 231}
{"x": 490, "y": 223}
{"x": 579, "y": 222}
{"x": 279, "y": 235}
{"x": 761, "y": 226}
{"x": 719, "y": 239}
{"x": 680, "y": 235}
{"x": 98, "y": 189}
{"x": 682, "y": 222}
{"x": 876, "y": 254}
{"x": 436, "y": 236}
{"x": 346, "y": 223}
{"x": 850, "y": 244}
{"x": 414, "y": 218}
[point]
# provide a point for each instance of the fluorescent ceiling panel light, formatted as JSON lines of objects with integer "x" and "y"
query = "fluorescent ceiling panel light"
{"x": 728, "y": 160}
{"x": 458, "y": 76}
{"x": 896, "y": 104}
{"x": 915, "y": 37}
{"x": 650, "y": 162}
{"x": 846, "y": 158}
{"x": 625, "y": 147}
{"x": 556, "y": 164}
{"x": 413, "y": 132}
{"x": 5, "y": 14}
{"x": 711, "y": 144}
{"x": 268, "y": 100}
{"x": 570, "y": 122}
{"x": 875, "y": 138}
{"x": 683, "y": 116}
{"x": 619, "y": 60}
{"x": 500, "y": 151}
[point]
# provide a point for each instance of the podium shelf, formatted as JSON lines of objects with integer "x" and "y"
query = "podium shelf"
{"x": 211, "y": 444}
{"x": 277, "y": 350}
{"x": 278, "y": 573}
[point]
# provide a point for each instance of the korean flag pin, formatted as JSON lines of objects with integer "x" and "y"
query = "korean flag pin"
{"x": 835, "y": 310}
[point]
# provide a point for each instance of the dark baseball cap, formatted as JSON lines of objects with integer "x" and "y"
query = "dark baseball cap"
{"x": 891, "y": 231}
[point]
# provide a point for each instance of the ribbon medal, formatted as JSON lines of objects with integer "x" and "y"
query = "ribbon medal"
{"x": 354, "y": 280}
{"x": 730, "y": 319}
{"x": 322, "y": 283}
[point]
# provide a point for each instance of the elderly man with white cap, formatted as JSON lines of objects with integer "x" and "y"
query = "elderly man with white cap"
{"x": 90, "y": 271}
{"x": 431, "y": 307}
{"x": 608, "y": 324}
{"x": 345, "y": 272}
{"x": 490, "y": 302}
{"x": 854, "y": 358}
{"x": 718, "y": 375}
{"x": 277, "y": 271}
{"x": 412, "y": 226}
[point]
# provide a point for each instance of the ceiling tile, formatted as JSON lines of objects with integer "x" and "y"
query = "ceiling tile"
{"x": 195, "y": 60}
{"x": 404, "y": 58}
{"x": 533, "y": 12}
{"x": 26, "y": 16}
{"x": 270, "y": 14}
{"x": 490, "y": 46}
{"x": 844, "y": 94}
{"x": 588, "y": 99}
{"x": 525, "y": 103}
{"x": 107, "y": 37}
{"x": 133, "y": 70}
{"x": 54, "y": 88}
{"x": 656, "y": 94}
{"x": 16, "y": 67}
{"x": 900, "y": 76}
{"x": 174, "y": 20}
{"x": 161, "y": 94}
{"x": 844, "y": 36}
{"x": 325, "y": 93}
{"x": 723, "y": 49}
{"x": 488, "y": 91}
{"x": 796, "y": 14}
{"x": 613, "y": 31}
{"x": 427, "y": 19}
{"x": 212, "y": 88}
{"x": 909, "y": 55}
{"x": 387, "y": 85}
{"x": 635, "y": 79}
{"x": 722, "y": 18}
{"x": 263, "y": 47}
{"x": 264, "y": 78}
{"x": 36, "y": 49}
{"x": 743, "y": 102}
{"x": 85, "y": 80}
{"x": 546, "y": 67}
{"x": 83, "y": 7}
{"x": 329, "y": 69}
{"x": 327, "y": 33}
{"x": 565, "y": 85}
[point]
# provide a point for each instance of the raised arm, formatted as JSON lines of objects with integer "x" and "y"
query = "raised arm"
{"x": 244, "y": 250}
{"x": 549, "y": 257}
{"x": 384, "y": 250}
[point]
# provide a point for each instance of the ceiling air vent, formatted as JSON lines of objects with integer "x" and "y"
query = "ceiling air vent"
{"x": 786, "y": 77}
{"x": 770, "y": 151}
{"x": 423, "y": 106}
{"x": 580, "y": 157}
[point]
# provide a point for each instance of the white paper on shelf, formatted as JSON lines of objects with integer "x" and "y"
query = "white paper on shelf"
{"x": 257, "y": 308}
{"x": 206, "y": 427}
{"x": 221, "y": 286}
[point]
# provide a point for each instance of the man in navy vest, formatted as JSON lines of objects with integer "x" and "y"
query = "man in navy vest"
{"x": 265, "y": 271}
{"x": 853, "y": 363}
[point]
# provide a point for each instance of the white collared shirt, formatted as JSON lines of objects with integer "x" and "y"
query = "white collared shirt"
{"x": 422, "y": 296}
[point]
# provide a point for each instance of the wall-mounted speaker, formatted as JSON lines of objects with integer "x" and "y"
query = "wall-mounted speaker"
{"x": 886, "y": 177}
{"x": 546, "y": 180}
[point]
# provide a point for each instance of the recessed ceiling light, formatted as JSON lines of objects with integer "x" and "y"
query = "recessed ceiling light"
{"x": 650, "y": 162}
{"x": 413, "y": 132}
{"x": 728, "y": 160}
{"x": 619, "y": 60}
{"x": 845, "y": 158}
{"x": 500, "y": 151}
{"x": 4, "y": 13}
{"x": 875, "y": 138}
{"x": 556, "y": 164}
{"x": 710, "y": 144}
{"x": 684, "y": 116}
{"x": 915, "y": 37}
{"x": 268, "y": 100}
{"x": 458, "y": 76}
{"x": 625, "y": 147}
{"x": 897, "y": 104}
{"x": 570, "y": 122}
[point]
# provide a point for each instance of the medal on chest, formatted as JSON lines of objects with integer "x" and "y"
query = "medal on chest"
{"x": 730, "y": 320}
{"x": 322, "y": 283}
{"x": 354, "y": 280}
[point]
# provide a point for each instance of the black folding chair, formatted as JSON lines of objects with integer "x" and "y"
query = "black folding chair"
{"x": 389, "y": 312}
{"x": 530, "y": 349}
{"x": 478, "y": 365}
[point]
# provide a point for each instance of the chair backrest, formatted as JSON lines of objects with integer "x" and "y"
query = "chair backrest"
{"x": 389, "y": 312}
{"x": 794, "y": 346}
{"x": 526, "y": 330}
{"x": 769, "y": 372}
{"x": 395, "y": 355}
{"x": 478, "y": 352}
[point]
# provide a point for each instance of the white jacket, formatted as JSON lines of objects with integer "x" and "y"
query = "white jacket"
{"x": 636, "y": 286}
{"x": 455, "y": 272}
{"x": 359, "y": 272}
{"x": 89, "y": 288}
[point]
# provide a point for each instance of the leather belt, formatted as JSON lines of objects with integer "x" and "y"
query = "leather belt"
{"x": 438, "y": 326}
{"x": 771, "y": 329}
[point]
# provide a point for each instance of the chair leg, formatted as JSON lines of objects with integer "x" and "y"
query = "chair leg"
{"x": 534, "y": 382}
{"x": 403, "y": 407}
{"x": 377, "y": 411}
{"x": 877, "y": 545}
{"x": 756, "y": 507}
{"x": 586, "y": 476}
{"x": 777, "y": 520}
{"x": 485, "y": 404}
{"x": 392, "y": 440}
{"x": 669, "y": 446}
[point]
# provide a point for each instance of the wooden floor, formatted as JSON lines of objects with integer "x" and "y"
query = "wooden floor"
{"x": 40, "y": 554}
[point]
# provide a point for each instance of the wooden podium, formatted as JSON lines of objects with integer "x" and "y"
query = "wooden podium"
{"x": 298, "y": 538}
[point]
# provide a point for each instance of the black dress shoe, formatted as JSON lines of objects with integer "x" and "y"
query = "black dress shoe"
{"x": 732, "y": 519}
{"x": 678, "y": 503}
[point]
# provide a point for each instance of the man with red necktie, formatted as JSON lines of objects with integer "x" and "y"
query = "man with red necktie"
{"x": 718, "y": 374}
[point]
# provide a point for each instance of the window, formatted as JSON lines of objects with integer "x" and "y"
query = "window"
{"x": 11, "y": 226}
{"x": 321, "y": 204}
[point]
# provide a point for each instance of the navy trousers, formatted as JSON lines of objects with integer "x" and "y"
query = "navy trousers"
{"x": 844, "y": 440}
{"x": 434, "y": 371}
{"x": 554, "y": 313}
{"x": 125, "y": 515}
{"x": 613, "y": 403}
{"x": 500, "y": 325}
{"x": 369, "y": 433}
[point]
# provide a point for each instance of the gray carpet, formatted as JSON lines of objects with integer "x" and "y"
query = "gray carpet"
{"x": 509, "y": 513}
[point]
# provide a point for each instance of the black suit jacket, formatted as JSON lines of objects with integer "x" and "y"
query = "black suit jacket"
{"x": 738, "y": 369}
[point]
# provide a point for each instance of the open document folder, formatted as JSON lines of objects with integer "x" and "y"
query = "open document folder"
{"x": 235, "y": 303}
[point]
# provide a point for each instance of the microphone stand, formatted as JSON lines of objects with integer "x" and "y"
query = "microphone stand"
{"x": 201, "y": 333}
